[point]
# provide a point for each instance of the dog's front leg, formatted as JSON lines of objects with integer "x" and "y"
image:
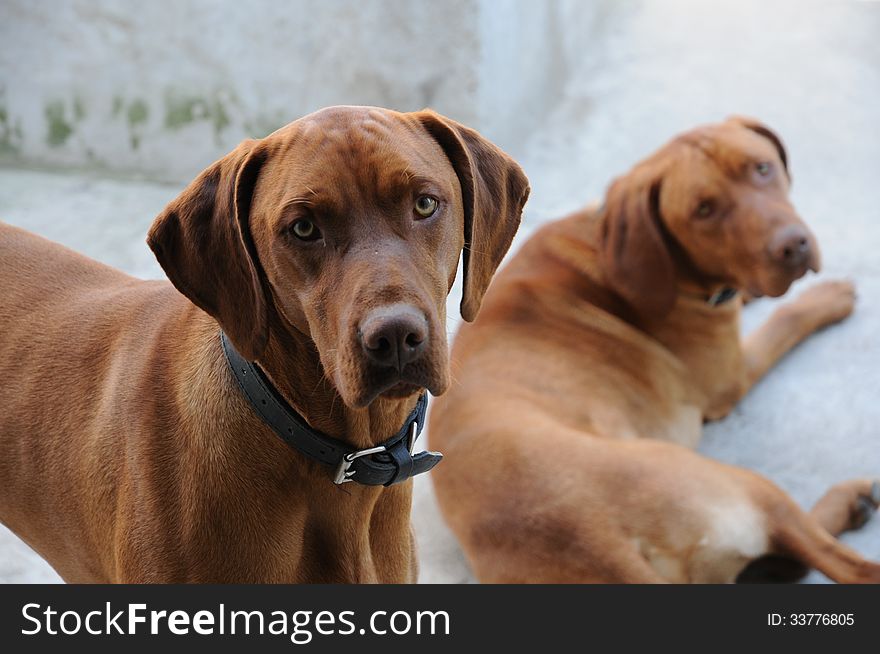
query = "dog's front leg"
{"x": 819, "y": 306}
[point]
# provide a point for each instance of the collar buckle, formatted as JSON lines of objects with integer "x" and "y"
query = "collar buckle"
{"x": 343, "y": 470}
{"x": 413, "y": 435}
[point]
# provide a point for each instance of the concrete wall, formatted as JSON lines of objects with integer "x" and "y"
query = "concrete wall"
{"x": 162, "y": 88}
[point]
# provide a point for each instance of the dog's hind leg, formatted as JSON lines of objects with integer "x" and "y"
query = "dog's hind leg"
{"x": 846, "y": 506}
{"x": 804, "y": 536}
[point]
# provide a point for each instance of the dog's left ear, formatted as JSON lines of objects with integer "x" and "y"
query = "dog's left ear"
{"x": 494, "y": 190}
{"x": 760, "y": 128}
{"x": 203, "y": 242}
{"x": 635, "y": 253}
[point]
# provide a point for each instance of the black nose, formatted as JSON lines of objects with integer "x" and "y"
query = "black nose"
{"x": 395, "y": 335}
{"x": 791, "y": 246}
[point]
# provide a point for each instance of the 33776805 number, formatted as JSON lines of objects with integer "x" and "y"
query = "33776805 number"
{"x": 811, "y": 619}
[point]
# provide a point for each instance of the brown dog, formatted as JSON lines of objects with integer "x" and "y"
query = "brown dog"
{"x": 325, "y": 252}
{"x": 600, "y": 350}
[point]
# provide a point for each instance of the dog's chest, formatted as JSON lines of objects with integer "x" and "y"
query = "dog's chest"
{"x": 707, "y": 343}
{"x": 683, "y": 427}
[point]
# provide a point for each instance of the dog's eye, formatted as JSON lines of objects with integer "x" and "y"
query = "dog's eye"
{"x": 426, "y": 206}
{"x": 306, "y": 230}
{"x": 763, "y": 169}
{"x": 705, "y": 209}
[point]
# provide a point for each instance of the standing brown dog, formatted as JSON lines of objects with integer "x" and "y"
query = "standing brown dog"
{"x": 325, "y": 253}
{"x": 599, "y": 352}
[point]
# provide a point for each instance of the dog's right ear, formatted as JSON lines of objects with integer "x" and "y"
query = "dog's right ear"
{"x": 637, "y": 262}
{"x": 760, "y": 128}
{"x": 203, "y": 243}
{"x": 494, "y": 190}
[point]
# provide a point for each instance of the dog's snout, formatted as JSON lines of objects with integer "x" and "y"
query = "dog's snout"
{"x": 394, "y": 336}
{"x": 791, "y": 246}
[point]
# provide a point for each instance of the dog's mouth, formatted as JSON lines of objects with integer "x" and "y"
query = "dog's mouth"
{"x": 400, "y": 391}
{"x": 392, "y": 384}
{"x": 374, "y": 382}
{"x": 777, "y": 280}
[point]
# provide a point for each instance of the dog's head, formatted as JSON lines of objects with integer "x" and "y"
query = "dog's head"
{"x": 347, "y": 226}
{"x": 713, "y": 206}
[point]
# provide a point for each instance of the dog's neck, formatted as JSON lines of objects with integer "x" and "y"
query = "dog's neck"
{"x": 691, "y": 282}
{"x": 236, "y": 452}
{"x": 714, "y": 293}
{"x": 293, "y": 365}
{"x": 574, "y": 244}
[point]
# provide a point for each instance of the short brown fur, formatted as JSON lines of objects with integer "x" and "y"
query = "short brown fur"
{"x": 582, "y": 388}
{"x": 127, "y": 452}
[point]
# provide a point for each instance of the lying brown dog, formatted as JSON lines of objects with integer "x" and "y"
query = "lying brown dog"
{"x": 599, "y": 352}
{"x": 325, "y": 252}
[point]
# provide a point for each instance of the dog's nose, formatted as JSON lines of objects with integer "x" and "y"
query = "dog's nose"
{"x": 395, "y": 335}
{"x": 791, "y": 246}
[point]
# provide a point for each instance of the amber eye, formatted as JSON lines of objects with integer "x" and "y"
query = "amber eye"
{"x": 426, "y": 206}
{"x": 763, "y": 168}
{"x": 705, "y": 209}
{"x": 306, "y": 230}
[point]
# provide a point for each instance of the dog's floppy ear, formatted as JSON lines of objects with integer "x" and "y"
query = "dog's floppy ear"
{"x": 635, "y": 252}
{"x": 760, "y": 128}
{"x": 494, "y": 190}
{"x": 203, "y": 242}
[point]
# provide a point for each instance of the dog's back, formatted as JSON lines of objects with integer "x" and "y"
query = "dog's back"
{"x": 550, "y": 293}
{"x": 52, "y": 295}
{"x": 531, "y": 429}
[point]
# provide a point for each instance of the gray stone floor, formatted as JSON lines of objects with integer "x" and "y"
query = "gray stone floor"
{"x": 648, "y": 70}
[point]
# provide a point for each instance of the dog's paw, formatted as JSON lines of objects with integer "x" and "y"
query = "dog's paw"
{"x": 866, "y": 506}
{"x": 830, "y": 301}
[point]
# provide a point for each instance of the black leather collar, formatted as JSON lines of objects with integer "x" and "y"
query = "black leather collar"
{"x": 390, "y": 462}
{"x": 716, "y": 299}
{"x": 723, "y": 296}
{"x": 726, "y": 294}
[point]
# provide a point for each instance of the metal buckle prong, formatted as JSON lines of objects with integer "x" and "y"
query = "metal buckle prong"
{"x": 343, "y": 474}
{"x": 413, "y": 435}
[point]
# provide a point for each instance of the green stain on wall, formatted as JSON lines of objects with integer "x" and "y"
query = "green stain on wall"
{"x": 219, "y": 117}
{"x": 182, "y": 110}
{"x": 137, "y": 113}
{"x": 58, "y": 127}
{"x": 79, "y": 108}
{"x": 10, "y": 133}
